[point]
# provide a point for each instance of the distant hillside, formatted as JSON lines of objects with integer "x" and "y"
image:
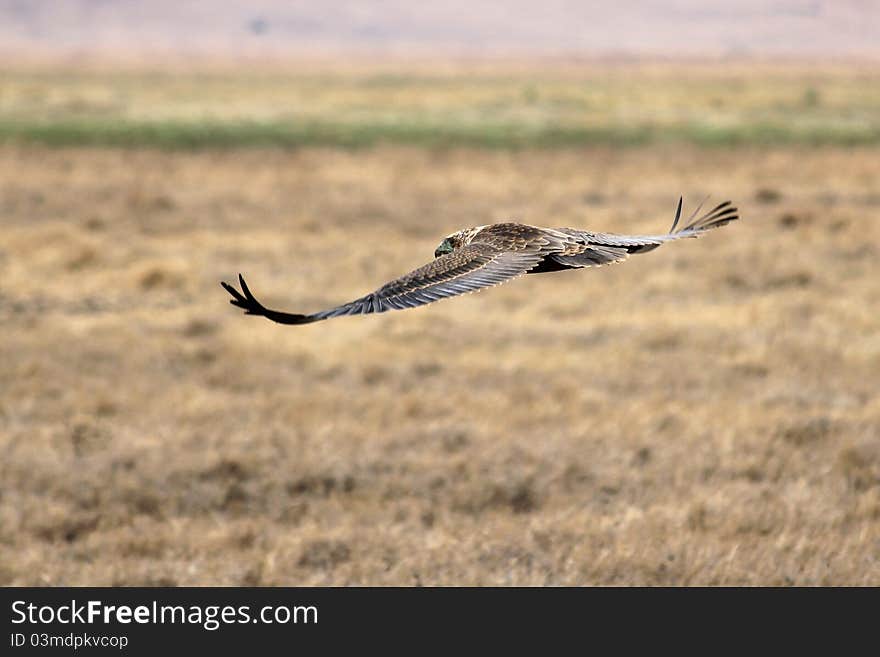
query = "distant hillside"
{"x": 268, "y": 27}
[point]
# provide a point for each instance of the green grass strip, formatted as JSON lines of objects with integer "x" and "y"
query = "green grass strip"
{"x": 226, "y": 134}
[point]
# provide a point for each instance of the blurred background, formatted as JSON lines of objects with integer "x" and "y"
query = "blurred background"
{"x": 704, "y": 414}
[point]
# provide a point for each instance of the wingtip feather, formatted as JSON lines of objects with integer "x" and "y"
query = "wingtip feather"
{"x": 677, "y": 214}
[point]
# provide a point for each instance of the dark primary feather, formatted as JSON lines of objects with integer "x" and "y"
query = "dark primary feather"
{"x": 251, "y": 306}
{"x": 721, "y": 214}
{"x": 677, "y": 214}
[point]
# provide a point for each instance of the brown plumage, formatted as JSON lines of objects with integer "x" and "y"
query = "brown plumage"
{"x": 480, "y": 257}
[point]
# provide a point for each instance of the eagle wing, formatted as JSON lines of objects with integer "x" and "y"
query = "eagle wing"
{"x": 587, "y": 249}
{"x": 498, "y": 257}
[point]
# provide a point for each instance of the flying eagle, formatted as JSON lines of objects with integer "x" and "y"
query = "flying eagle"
{"x": 484, "y": 256}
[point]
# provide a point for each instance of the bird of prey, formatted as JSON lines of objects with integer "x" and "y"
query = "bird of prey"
{"x": 485, "y": 256}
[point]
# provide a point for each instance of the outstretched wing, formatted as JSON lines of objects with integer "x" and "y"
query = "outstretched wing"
{"x": 600, "y": 248}
{"x": 467, "y": 269}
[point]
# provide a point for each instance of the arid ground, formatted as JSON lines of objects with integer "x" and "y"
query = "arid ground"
{"x": 707, "y": 413}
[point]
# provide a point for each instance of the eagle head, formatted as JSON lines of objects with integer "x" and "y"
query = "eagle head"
{"x": 448, "y": 245}
{"x": 456, "y": 240}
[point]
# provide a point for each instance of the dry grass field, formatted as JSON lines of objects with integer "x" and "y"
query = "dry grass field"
{"x": 704, "y": 414}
